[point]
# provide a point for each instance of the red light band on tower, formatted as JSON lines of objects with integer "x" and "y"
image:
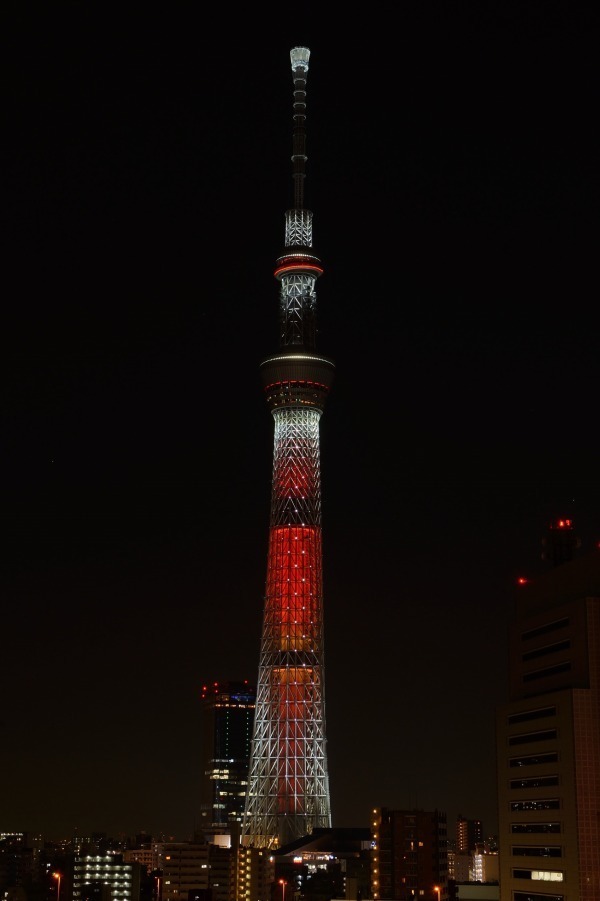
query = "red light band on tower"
{"x": 299, "y": 267}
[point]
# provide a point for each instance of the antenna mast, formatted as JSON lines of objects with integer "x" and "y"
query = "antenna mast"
{"x": 299, "y": 57}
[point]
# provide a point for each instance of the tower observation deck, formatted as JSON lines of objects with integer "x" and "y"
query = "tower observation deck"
{"x": 288, "y": 783}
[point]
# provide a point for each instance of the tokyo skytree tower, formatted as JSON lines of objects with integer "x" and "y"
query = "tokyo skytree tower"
{"x": 288, "y": 783}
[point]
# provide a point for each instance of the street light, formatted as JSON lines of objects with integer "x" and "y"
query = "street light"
{"x": 58, "y": 877}
{"x": 283, "y": 884}
{"x": 437, "y": 889}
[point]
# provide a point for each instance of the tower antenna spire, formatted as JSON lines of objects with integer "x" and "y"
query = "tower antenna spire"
{"x": 299, "y": 57}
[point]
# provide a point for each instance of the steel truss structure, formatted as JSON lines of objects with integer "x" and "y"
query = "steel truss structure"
{"x": 288, "y": 784}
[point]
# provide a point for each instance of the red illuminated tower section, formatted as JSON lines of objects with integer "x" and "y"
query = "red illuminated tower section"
{"x": 288, "y": 785}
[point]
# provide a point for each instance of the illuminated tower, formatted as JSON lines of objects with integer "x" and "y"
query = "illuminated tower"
{"x": 288, "y": 785}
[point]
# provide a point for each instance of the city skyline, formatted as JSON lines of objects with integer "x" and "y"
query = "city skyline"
{"x": 452, "y": 180}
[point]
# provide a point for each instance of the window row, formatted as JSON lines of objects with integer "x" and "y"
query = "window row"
{"x": 531, "y": 828}
{"x": 536, "y": 804}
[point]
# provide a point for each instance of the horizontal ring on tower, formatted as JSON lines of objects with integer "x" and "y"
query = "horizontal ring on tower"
{"x": 297, "y": 379}
{"x": 294, "y": 659}
{"x": 298, "y": 262}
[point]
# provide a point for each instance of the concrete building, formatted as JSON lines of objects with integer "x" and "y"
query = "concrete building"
{"x": 105, "y": 877}
{"x": 486, "y": 867}
{"x": 147, "y": 857}
{"x": 409, "y": 855}
{"x": 223, "y": 872}
{"x": 185, "y": 868}
{"x": 256, "y": 874}
{"x": 469, "y": 834}
{"x": 472, "y": 891}
{"x": 548, "y": 735}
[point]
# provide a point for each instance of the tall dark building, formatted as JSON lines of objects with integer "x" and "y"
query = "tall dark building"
{"x": 548, "y": 735}
{"x": 410, "y": 855}
{"x": 469, "y": 833}
{"x": 288, "y": 789}
{"x": 226, "y": 728}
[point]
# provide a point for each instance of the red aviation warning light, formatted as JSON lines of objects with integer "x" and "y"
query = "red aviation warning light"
{"x": 560, "y": 542}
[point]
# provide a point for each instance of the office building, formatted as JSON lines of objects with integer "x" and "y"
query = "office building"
{"x": 548, "y": 734}
{"x": 185, "y": 869}
{"x": 105, "y": 877}
{"x": 469, "y": 834}
{"x": 409, "y": 856}
{"x": 227, "y": 718}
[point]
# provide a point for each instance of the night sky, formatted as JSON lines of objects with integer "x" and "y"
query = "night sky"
{"x": 453, "y": 176}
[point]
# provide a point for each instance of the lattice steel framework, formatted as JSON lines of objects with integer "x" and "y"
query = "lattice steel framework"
{"x": 288, "y": 785}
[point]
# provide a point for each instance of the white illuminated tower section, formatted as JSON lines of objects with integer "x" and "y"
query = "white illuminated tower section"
{"x": 288, "y": 784}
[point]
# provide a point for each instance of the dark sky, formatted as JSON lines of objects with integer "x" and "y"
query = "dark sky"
{"x": 453, "y": 175}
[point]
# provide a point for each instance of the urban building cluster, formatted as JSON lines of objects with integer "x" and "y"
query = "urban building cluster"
{"x": 548, "y": 763}
{"x": 400, "y": 851}
{"x": 266, "y": 831}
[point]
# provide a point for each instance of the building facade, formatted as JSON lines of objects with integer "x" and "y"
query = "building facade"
{"x": 409, "y": 856}
{"x": 288, "y": 785}
{"x": 105, "y": 877}
{"x": 255, "y": 874}
{"x": 227, "y": 719}
{"x": 469, "y": 834}
{"x": 185, "y": 869}
{"x": 548, "y": 735}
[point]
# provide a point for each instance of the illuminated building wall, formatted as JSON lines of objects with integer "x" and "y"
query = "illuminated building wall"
{"x": 549, "y": 734}
{"x": 288, "y": 788}
{"x": 105, "y": 876}
{"x": 485, "y": 867}
{"x": 255, "y": 874}
{"x": 227, "y": 718}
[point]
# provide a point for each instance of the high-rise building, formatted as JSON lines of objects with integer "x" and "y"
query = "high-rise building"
{"x": 288, "y": 789}
{"x": 255, "y": 874}
{"x": 223, "y": 871}
{"x": 227, "y": 718}
{"x": 185, "y": 869}
{"x": 19, "y": 862}
{"x": 469, "y": 834}
{"x": 548, "y": 735}
{"x": 409, "y": 857}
